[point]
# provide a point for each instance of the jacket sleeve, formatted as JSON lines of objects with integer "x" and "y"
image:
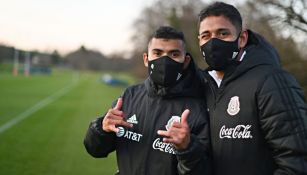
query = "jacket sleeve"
{"x": 196, "y": 158}
{"x": 97, "y": 142}
{"x": 283, "y": 120}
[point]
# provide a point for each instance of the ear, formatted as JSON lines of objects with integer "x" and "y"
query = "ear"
{"x": 187, "y": 60}
{"x": 145, "y": 59}
{"x": 243, "y": 39}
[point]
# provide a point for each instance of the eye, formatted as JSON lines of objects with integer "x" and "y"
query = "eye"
{"x": 223, "y": 34}
{"x": 156, "y": 54}
{"x": 175, "y": 54}
{"x": 205, "y": 36}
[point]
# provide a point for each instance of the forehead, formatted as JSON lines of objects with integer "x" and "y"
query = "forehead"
{"x": 213, "y": 23}
{"x": 165, "y": 44}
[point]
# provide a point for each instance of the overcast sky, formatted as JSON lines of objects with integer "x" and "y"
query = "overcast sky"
{"x": 104, "y": 25}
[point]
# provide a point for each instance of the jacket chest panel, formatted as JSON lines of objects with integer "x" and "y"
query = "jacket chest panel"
{"x": 233, "y": 114}
{"x": 147, "y": 118}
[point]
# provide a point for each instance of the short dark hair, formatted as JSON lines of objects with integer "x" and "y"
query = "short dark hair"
{"x": 167, "y": 32}
{"x": 222, "y": 9}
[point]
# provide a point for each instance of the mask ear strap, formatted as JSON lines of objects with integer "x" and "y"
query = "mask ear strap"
{"x": 238, "y": 56}
{"x": 242, "y": 52}
{"x": 241, "y": 55}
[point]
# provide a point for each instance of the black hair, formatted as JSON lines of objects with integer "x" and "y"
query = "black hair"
{"x": 166, "y": 32}
{"x": 222, "y": 9}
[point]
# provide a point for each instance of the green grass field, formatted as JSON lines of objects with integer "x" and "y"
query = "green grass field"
{"x": 50, "y": 140}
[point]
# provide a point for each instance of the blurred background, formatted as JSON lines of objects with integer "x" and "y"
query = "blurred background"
{"x": 62, "y": 64}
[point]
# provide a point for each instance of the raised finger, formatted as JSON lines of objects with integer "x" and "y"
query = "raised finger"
{"x": 184, "y": 116}
{"x": 119, "y": 104}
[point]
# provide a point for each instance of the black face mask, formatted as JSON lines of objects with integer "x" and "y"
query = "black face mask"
{"x": 219, "y": 54}
{"x": 164, "y": 71}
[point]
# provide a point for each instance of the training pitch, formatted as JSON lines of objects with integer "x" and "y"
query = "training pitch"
{"x": 43, "y": 120}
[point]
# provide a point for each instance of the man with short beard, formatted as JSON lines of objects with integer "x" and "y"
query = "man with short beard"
{"x": 258, "y": 114}
{"x": 159, "y": 126}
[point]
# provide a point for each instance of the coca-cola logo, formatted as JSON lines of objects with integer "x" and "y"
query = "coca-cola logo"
{"x": 238, "y": 132}
{"x": 162, "y": 146}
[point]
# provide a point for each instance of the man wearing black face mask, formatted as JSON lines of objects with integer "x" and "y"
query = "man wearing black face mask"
{"x": 258, "y": 114}
{"x": 159, "y": 126}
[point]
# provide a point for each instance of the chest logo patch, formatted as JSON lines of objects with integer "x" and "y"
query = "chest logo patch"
{"x": 237, "y": 132}
{"x": 128, "y": 134}
{"x": 132, "y": 119}
{"x": 233, "y": 106}
{"x": 171, "y": 121}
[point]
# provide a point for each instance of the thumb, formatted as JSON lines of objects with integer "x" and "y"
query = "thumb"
{"x": 119, "y": 104}
{"x": 184, "y": 116}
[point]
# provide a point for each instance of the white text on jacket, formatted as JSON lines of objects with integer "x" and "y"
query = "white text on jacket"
{"x": 162, "y": 146}
{"x": 238, "y": 132}
{"x": 128, "y": 134}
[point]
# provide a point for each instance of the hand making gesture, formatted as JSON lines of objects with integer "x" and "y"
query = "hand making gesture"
{"x": 179, "y": 132}
{"x": 115, "y": 117}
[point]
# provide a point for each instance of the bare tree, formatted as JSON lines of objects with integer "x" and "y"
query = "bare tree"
{"x": 290, "y": 16}
{"x": 292, "y": 59}
{"x": 269, "y": 18}
{"x": 293, "y": 12}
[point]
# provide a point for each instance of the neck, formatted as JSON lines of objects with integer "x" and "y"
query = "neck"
{"x": 220, "y": 74}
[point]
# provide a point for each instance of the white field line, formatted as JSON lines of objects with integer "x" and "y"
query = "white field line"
{"x": 36, "y": 107}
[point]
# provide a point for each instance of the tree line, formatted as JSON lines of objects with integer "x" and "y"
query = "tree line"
{"x": 282, "y": 23}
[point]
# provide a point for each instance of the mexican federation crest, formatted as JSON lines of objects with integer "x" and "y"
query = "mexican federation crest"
{"x": 233, "y": 106}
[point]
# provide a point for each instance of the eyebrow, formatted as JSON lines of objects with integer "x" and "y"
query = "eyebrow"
{"x": 224, "y": 30}
{"x": 218, "y": 30}
{"x": 157, "y": 50}
{"x": 170, "y": 51}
